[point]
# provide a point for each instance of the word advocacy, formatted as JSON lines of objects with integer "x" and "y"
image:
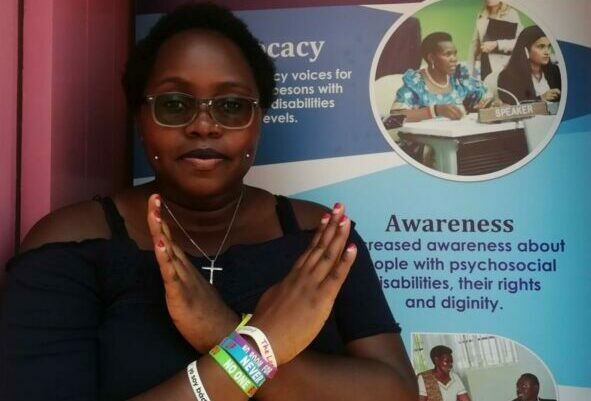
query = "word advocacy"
{"x": 308, "y": 50}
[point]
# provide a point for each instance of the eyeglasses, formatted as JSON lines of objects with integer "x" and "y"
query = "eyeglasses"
{"x": 176, "y": 109}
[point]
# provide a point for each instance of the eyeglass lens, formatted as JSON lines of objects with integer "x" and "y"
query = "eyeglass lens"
{"x": 177, "y": 109}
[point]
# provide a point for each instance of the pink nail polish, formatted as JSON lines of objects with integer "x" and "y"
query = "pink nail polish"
{"x": 157, "y": 215}
{"x": 160, "y": 244}
{"x": 343, "y": 221}
{"x": 351, "y": 247}
{"x": 325, "y": 218}
{"x": 337, "y": 207}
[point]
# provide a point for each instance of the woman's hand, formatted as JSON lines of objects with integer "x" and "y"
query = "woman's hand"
{"x": 194, "y": 305}
{"x": 449, "y": 110}
{"x": 292, "y": 312}
{"x": 551, "y": 95}
{"x": 488, "y": 46}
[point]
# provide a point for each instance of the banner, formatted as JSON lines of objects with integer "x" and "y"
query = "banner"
{"x": 479, "y": 231}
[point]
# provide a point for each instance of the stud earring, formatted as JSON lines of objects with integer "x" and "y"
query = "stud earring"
{"x": 156, "y": 158}
{"x": 248, "y": 155}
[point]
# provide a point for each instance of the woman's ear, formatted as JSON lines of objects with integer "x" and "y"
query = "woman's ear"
{"x": 430, "y": 61}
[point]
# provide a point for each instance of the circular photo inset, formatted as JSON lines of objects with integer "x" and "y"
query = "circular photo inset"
{"x": 468, "y": 90}
{"x": 476, "y": 366}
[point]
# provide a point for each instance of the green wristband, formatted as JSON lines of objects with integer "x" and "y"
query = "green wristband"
{"x": 233, "y": 370}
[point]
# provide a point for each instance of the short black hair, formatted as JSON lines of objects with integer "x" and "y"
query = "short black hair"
{"x": 438, "y": 351}
{"x": 431, "y": 41}
{"x": 207, "y": 16}
{"x": 533, "y": 378}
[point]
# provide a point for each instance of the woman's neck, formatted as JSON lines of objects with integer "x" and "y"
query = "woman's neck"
{"x": 536, "y": 70}
{"x": 437, "y": 78}
{"x": 210, "y": 213}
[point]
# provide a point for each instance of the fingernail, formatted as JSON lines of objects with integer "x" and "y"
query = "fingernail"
{"x": 351, "y": 247}
{"x": 337, "y": 206}
{"x": 343, "y": 221}
{"x": 325, "y": 218}
{"x": 157, "y": 215}
{"x": 160, "y": 244}
{"x": 158, "y": 201}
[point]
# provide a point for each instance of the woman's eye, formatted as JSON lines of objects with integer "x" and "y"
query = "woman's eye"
{"x": 231, "y": 106}
{"x": 175, "y": 106}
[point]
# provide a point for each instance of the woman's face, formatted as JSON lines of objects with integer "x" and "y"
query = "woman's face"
{"x": 445, "y": 59}
{"x": 202, "y": 158}
{"x": 444, "y": 363}
{"x": 539, "y": 51}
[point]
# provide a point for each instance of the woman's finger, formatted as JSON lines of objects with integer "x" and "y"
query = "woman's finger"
{"x": 323, "y": 249}
{"x": 317, "y": 235}
{"x": 336, "y": 276}
{"x": 333, "y": 251}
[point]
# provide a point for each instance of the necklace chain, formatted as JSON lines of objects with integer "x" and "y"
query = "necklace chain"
{"x": 437, "y": 84}
{"x": 230, "y": 225}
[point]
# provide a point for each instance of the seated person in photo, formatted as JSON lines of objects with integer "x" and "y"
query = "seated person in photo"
{"x": 530, "y": 75}
{"x": 443, "y": 89}
{"x": 440, "y": 383}
{"x": 528, "y": 388}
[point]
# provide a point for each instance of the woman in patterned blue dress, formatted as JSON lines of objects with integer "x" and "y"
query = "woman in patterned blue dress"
{"x": 443, "y": 89}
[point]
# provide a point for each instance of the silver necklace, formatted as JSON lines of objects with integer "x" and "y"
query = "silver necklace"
{"x": 212, "y": 267}
{"x": 437, "y": 84}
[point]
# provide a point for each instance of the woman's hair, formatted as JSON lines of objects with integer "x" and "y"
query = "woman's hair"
{"x": 518, "y": 64}
{"x": 502, "y": 10}
{"x": 205, "y": 16}
{"x": 438, "y": 351}
{"x": 431, "y": 41}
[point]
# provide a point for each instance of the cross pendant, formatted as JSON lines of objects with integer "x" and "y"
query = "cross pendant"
{"x": 211, "y": 269}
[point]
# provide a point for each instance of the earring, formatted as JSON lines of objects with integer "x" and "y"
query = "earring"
{"x": 248, "y": 155}
{"x": 526, "y": 52}
{"x": 156, "y": 157}
{"x": 432, "y": 65}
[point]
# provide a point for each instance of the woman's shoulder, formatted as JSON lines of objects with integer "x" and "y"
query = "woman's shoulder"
{"x": 77, "y": 222}
{"x": 308, "y": 213}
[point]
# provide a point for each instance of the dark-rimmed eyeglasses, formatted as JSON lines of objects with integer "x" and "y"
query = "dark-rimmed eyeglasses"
{"x": 177, "y": 109}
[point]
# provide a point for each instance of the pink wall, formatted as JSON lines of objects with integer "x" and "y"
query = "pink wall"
{"x": 74, "y": 124}
{"x": 8, "y": 109}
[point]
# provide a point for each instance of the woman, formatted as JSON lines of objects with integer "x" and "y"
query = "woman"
{"x": 496, "y": 30}
{"x": 530, "y": 75}
{"x": 442, "y": 89}
{"x": 440, "y": 383}
{"x": 104, "y": 303}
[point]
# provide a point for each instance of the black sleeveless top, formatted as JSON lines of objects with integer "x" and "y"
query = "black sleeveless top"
{"x": 88, "y": 321}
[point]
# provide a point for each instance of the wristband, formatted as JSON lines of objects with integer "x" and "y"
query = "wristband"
{"x": 243, "y": 359}
{"x": 196, "y": 384}
{"x": 268, "y": 369}
{"x": 233, "y": 370}
{"x": 245, "y": 319}
{"x": 262, "y": 343}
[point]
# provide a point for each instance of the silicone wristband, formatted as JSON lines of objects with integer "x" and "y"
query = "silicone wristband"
{"x": 244, "y": 360}
{"x": 245, "y": 318}
{"x": 268, "y": 369}
{"x": 262, "y": 343}
{"x": 233, "y": 370}
{"x": 196, "y": 384}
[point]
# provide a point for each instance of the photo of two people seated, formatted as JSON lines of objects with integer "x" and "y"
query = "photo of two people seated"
{"x": 441, "y": 383}
{"x": 440, "y": 76}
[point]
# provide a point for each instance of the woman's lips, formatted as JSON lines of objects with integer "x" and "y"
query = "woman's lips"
{"x": 204, "y": 159}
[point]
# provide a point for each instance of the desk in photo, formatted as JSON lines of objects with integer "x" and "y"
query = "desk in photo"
{"x": 467, "y": 147}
